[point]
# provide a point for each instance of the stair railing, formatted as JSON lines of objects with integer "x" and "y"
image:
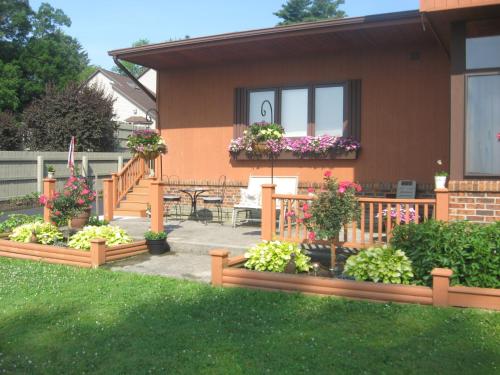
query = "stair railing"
{"x": 135, "y": 169}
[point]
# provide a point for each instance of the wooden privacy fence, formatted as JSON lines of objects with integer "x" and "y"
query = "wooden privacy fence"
{"x": 378, "y": 217}
{"x": 227, "y": 272}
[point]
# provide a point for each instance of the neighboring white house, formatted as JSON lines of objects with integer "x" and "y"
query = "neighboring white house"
{"x": 131, "y": 102}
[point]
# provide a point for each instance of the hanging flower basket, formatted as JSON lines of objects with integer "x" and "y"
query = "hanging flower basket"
{"x": 146, "y": 144}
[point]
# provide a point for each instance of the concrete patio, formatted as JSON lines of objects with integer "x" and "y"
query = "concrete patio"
{"x": 190, "y": 241}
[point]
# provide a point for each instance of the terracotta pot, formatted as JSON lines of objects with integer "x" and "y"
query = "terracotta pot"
{"x": 80, "y": 221}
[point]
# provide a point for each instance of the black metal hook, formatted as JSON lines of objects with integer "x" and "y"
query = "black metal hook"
{"x": 263, "y": 111}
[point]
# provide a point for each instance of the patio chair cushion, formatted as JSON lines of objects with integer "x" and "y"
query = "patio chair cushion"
{"x": 250, "y": 197}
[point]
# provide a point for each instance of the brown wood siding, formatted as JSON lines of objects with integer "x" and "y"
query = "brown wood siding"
{"x": 438, "y": 5}
{"x": 404, "y": 114}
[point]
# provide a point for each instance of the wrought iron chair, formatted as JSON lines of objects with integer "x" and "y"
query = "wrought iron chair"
{"x": 173, "y": 198}
{"x": 217, "y": 199}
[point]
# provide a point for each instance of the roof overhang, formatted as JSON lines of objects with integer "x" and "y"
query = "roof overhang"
{"x": 329, "y": 36}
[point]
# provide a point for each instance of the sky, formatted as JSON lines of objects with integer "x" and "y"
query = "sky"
{"x": 104, "y": 25}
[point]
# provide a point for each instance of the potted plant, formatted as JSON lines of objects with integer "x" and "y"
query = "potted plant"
{"x": 440, "y": 177}
{"x": 146, "y": 144}
{"x": 72, "y": 206}
{"x": 51, "y": 171}
{"x": 156, "y": 242}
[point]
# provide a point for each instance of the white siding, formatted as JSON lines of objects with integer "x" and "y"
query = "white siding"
{"x": 148, "y": 79}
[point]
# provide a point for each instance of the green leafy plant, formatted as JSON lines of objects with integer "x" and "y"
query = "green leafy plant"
{"x": 264, "y": 131}
{"x": 51, "y": 169}
{"x": 471, "y": 250}
{"x": 16, "y": 220}
{"x": 380, "y": 264}
{"x": 149, "y": 235}
{"x": 335, "y": 206}
{"x": 46, "y": 233}
{"x": 112, "y": 234}
{"x": 442, "y": 174}
{"x": 27, "y": 199}
{"x": 275, "y": 255}
{"x": 96, "y": 222}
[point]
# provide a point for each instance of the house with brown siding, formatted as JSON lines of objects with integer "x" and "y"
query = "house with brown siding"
{"x": 412, "y": 87}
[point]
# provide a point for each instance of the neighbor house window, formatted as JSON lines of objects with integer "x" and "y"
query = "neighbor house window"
{"x": 332, "y": 109}
{"x": 482, "y": 94}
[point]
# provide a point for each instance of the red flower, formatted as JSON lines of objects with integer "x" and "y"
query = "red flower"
{"x": 305, "y": 207}
{"x": 57, "y": 213}
{"x": 80, "y": 201}
{"x": 327, "y": 174}
{"x": 85, "y": 191}
{"x": 43, "y": 200}
{"x": 311, "y": 236}
{"x": 307, "y": 215}
{"x": 310, "y": 190}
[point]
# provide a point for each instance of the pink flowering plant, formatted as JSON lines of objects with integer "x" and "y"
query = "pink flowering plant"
{"x": 402, "y": 215}
{"x": 146, "y": 143}
{"x": 273, "y": 137}
{"x": 335, "y": 205}
{"x": 76, "y": 197}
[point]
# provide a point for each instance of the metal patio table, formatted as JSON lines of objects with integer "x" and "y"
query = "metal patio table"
{"x": 194, "y": 193}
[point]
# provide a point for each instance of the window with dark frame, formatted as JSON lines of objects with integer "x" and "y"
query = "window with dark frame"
{"x": 314, "y": 110}
{"x": 482, "y": 101}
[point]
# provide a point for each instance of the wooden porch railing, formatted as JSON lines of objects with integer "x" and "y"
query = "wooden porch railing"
{"x": 378, "y": 217}
{"x": 125, "y": 179}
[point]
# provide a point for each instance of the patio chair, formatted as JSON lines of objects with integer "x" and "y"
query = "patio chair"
{"x": 173, "y": 198}
{"x": 251, "y": 196}
{"x": 407, "y": 189}
{"x": 217, "y": 199}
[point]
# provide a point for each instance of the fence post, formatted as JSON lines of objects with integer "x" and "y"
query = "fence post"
{"x": 49, "y": 188}
{"x": 219, "y": 260}
{"x": 85, "y": 165}
{"x": 157, "y": 167}
{"x": 156, "y": 200}
{"x": 39, "y": 173}
{"x": 442, "y": 204}
{"x": 440, "y": 285}
{"x": 97, "y": 252}
{"x": 107, "y": 198}
{"x": 114, "y": 191}
{"x": 120, "y": 163}
{"x": 268, "y": 219}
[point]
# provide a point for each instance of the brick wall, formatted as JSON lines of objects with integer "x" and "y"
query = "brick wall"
{"x": 477, "y": 201}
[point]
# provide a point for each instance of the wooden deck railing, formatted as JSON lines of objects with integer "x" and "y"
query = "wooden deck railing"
{"x": 125, "y": 179}
{"x": 378, "y": 217}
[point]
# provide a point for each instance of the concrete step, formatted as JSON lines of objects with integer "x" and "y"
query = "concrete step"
{"x": 130, "y": 205}
{"x": 129, "y": 212}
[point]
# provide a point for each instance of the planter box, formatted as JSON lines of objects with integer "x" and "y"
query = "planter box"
{"x": 228, "y": 272}
{"x": 288, "y": 155}
{"x": 99, "y": 253}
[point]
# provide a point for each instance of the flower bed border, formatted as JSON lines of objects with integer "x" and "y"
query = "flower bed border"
{"x": 99, "y": 253}
{"x": 224, "y": 273}
{"x": 289, "y": 155}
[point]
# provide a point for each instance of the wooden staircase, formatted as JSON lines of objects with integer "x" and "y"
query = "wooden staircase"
{"x": 135, "y": 202}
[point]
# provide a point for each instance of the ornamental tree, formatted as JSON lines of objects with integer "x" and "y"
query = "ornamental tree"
{"x": 10, "y": 133}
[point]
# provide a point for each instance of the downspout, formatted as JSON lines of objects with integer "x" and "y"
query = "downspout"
{"x": 132, "y": 77}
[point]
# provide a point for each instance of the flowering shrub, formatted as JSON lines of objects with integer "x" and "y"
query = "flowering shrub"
{"x": 112, "y": 234}
{"x": 402, "y": 215}
{"x": 319, "y": 146}
{"x": 275, "y": 255}
{"x": 77, "y": 196}
{"x": 146, "y": 143}
{"x": 336, "y": 205}
{"x": 380, "y": 264}
{"x": 45, "y": 233}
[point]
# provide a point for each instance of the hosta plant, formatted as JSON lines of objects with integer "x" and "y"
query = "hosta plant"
{"x": 16, "y": 220}
{"x": 45, "y": 233}
{"x": 380, "y": 264}
{"x": 275, "y": 255}
{"x": 113, "y": 235}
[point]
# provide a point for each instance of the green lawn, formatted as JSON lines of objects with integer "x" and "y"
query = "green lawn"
{"x": 62, "y": 320}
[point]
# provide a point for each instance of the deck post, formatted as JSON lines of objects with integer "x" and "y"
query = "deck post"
{"x": 156, "y": 201}
{"x": 219, "y": 260}
{"x": 97, "y": 252}
{"x": 114, "y": 178}
{"x": 442, "y": 204}
{"x": 440, "y": 285}
{"x": 107, "y": 198}
{"x": 49, "y": 188}
{"x": 268, "y": 219}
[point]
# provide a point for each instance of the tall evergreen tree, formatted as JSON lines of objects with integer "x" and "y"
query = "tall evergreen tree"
{"x": 294, "y": 11}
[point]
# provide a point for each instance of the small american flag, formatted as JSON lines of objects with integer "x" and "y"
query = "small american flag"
{"x": 71, "y": 155}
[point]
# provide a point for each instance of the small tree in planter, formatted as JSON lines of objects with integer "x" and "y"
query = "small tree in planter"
{"x": 157, "y": 242}
{"x": 335, "y": 206}
{"x": 146, "y": 144}
{"x": 51, "y": 170}
{"x": 73, "y": 205}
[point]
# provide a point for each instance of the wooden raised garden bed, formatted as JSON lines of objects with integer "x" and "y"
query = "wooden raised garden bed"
{"x": 228, "y": 272}
{"x": 99, "y": 253}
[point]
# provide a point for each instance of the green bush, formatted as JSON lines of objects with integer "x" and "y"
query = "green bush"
{"x": 112, "y": 234}
{"x": 275, "y": 255}
{"x": 96, "y": 222}
{"x": 149, "y": 235}
{"x": 16, "y": 220}
{"x": 380, "y": 264}
{"x": 45, "y": 233}
{"x": 470, "y": 250}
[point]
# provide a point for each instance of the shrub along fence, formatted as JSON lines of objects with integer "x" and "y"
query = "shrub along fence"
{"x": 23, "y": 171}
{"x": 227, "y": 272}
